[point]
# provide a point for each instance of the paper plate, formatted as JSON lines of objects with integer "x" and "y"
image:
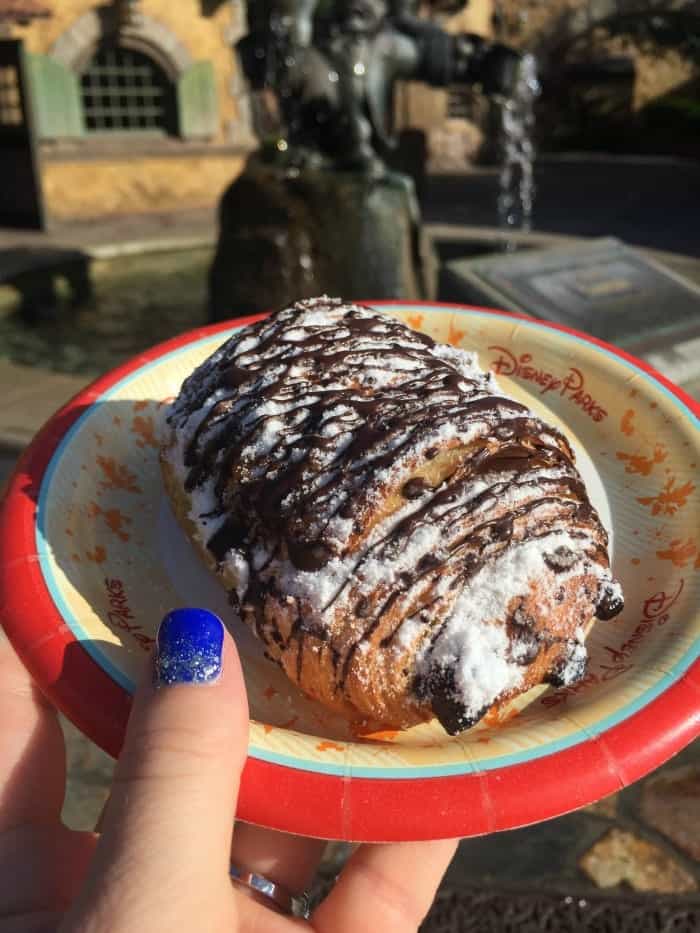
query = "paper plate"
{"x": 91, "y": 558}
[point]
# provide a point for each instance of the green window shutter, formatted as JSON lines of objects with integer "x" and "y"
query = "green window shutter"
{"x": 57, "y": 106}
{"x": 196, "y": 101}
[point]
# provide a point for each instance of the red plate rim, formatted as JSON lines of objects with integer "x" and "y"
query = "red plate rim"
{"x": 344, "y": 807}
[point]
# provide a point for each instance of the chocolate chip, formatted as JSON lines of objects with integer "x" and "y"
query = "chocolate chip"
{"x": 524, "y": 648}
{"x": 232, "y": 534}
{"x": 445, "y": 700}
{"x": 561, "y": 558}
{"x": 569, "y": 667}
{"x": 314, "y": 628}
{"x": 363, "y": 607}
{"x": 414, "y": 488}
{"x": 610, "y": 604}
{"x": 308, "y": 556}
{"x": 427, "y": 562}
{"x": 521, "y": 619}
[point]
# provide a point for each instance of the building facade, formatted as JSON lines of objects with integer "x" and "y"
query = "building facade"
{"x": 126, "y": 106}
{"x": 136, "y": 105}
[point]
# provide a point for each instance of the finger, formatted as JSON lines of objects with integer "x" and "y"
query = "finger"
{"x": 167, "y": 829}
{"x": 285, "y": 859}
{"x": 32, "y": 751}
{"x": 385, "y": 887}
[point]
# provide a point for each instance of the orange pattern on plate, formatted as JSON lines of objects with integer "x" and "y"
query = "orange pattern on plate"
{"x": 454, "y": 334}
{"x": 626, "y": 425}
{"x": 114, "y": 519}
{"x": 146, "y": 431}
{"x": 678, "y": 552}
{"x": 638, "y": 463}
{"x": 117, "y": 475}
{"x": 670, "y": 499}
{"x": 98, "y": 556}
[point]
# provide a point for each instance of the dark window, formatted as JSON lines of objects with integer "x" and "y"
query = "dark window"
{"x": 126, "y": 91}
{"x": 10, "y": 103}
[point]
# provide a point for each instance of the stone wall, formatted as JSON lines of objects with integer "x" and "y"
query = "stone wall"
{"x": 86, "y": 189}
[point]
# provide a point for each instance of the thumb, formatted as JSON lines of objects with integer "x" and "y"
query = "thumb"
{"x": 163, "y": 857}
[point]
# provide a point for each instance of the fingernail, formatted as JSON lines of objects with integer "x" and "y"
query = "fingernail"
{"x": 189, "y": 645}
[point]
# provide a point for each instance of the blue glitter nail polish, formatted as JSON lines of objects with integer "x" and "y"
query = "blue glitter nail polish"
{"x": 188, "y": 647}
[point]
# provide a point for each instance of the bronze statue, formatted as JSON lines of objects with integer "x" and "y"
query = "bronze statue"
{"x": 333, "y": 67}
{"x": 316, "y": 209}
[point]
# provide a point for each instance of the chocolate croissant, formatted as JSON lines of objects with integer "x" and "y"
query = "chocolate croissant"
{"x": 406, "y": 541}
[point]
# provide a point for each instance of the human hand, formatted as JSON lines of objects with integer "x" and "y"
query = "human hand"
{"x": 167, "y": 838}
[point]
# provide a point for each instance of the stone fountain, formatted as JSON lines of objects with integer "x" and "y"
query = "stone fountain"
{"x": 317, "y": 209}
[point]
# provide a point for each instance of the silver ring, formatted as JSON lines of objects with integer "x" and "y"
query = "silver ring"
{"x": 282, "y": 899}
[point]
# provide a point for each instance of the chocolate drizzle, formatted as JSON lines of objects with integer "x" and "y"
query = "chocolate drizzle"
{"x": 299, "y": 426}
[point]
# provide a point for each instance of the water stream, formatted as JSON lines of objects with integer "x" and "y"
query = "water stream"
{"x": 516, "y": 181}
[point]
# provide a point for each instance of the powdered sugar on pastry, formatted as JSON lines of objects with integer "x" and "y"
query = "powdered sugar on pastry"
{"x": 486, "y": 659}
{"x": 385, "y": 496}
